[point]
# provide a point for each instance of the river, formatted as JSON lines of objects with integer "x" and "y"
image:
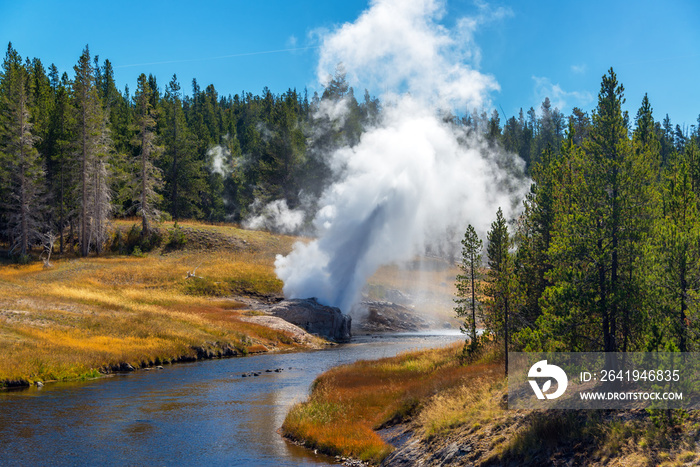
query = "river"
{"x": 202, "y": 413}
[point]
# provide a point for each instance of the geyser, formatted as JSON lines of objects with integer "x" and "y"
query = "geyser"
{"x": 413, "y": 181}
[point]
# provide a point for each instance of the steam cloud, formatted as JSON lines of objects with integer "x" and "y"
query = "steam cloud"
{"x": 414, "y": 181}
{"x": 275, "y": 216}
{"x": 219, "y": 160}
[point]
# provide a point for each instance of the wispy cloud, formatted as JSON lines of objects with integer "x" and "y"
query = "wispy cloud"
{"x": 560, "y": 98}
{"x": 578, "y": 69}
{"x": 467, "y": 26}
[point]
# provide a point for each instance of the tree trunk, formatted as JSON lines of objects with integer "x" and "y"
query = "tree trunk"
{"x": 60, "y": 216}
{"x": 176, "y": 213}
{"x": 84, "y": 245}
{"x": 505, "y": 317}
{"x": 607, "y": 343}
{"x": 473, "y": 304}
{"x": 24, "y": 227}
{"x": 614, "y": 292}
{"x": 144, "y": 156}
{"x": 683, "y": 346}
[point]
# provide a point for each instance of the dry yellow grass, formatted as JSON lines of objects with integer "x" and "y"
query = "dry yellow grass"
{"x": 348, "y": 402}
{"x": 84, "y": 314}
{"x": 446, "y": 402}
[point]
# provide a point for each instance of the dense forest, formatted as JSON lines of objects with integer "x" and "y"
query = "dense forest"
{"x": 77, "y": 152}
{"x": 606, "y": 254}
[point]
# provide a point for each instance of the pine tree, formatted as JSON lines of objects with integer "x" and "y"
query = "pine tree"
{"x": 644, "y": 132}
{"x": 692, "y": 153}
{"x": 501, "y": 286}
{"x": 467, "y": 283}
{"x": 184, "y": 174}
{"x": 148, "y": 179}
{"x": 61, "y": 155}
{"x": 677, "y": 256}
{"x": 533, "y": 235}
{"x": 603, "y": 215}
{"x": 20, "y": 159}
{"x": 90, "y": 141}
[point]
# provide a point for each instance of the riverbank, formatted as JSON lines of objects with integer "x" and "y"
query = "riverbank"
{"x": 84, "y": 317}
{"x": 424, "y": 408}
{"x": 348, "y": 404}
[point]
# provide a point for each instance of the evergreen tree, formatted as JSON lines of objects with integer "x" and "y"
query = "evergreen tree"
{"x": 23, "y": 171}
{"x": 501, "y": 287}
{"x": 533, "y": 235}
{"x": 148, "y": 176}
{"x": 692, "y": 152}
{"x": 602, "y": 217}
{"x": 579, "y": 125}
{"x": 644, "y": 132}
{"x": 61, "y": 156}
{"x": 665, "y": 136}
{"x": 676, "y": 259}
{"x": 467, "y": 283}
{"x": 493, "y": 132}
{"x": 90, "y": 140}
{"x": 183, "y": 172}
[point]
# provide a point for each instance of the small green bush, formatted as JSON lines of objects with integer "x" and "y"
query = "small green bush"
{"x": 23, "y": 259}
{"x": 176, "y": 239}
{"x": 118, "y": 243}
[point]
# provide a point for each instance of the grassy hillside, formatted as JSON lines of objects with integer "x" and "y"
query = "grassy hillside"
{"x": 83, "y": 315}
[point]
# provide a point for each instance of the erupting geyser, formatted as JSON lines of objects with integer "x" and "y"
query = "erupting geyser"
{"x": 414, "y": 180}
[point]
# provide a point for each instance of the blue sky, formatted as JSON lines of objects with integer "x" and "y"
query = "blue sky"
{"x": 533, "y": 49}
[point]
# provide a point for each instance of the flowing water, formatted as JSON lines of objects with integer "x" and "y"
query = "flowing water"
{"x": 201, "y": 413}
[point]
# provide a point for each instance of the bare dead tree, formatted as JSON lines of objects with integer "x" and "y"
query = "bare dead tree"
{"x": 193, "y": 273}
{"x": 48, "y": 240}
{"x": 99, "y": 205}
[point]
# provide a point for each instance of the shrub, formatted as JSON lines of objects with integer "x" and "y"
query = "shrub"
{"x": 176, "y": 239}
{"x": 118, "y": 242}
{"x": 135, "y": 239}
{"x": 152, "y": 241}
{"x": 23, "y": 259}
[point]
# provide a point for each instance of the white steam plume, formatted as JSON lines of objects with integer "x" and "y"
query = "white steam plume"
{"x": 219, "y": 160}
{"x": 275, "y": 216}
{"x": 412, "y": 179}
{"x": 398, "y": 46}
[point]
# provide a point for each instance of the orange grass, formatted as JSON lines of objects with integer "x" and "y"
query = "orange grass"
{"x": 349, "y": 402}
{"x": 86, "y": 314}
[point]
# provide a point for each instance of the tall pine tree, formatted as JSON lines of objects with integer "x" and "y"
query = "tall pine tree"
{"x": 23, "y": 177}
{"x": 148, "y": 176}
{"x": 467, "y": 283}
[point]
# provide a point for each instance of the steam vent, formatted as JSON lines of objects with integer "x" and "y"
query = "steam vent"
{"x": 315, "y": 318}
